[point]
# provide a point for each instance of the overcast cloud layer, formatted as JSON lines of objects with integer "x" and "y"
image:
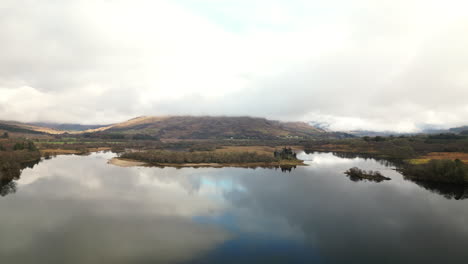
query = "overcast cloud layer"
{"x": 381, "y": 65}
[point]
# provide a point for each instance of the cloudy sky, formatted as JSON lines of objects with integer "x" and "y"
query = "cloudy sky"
{"x": 382, "y": 65}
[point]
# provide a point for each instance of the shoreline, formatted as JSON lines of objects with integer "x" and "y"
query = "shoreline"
{"x": 135, "y": 163}
{"x": 57, "y": 152}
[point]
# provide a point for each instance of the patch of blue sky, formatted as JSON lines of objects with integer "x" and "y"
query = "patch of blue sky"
{"x": 224, "y": 185}
{"x": 260, "y": 243}
{"x": 253, "y": 249}
{"x": 241, "y": 15}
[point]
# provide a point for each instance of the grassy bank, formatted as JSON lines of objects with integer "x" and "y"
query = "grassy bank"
{"x": 437, "y": 170}
{"x": 401, "y": 147}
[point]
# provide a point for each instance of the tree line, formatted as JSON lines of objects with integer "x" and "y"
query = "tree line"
{"x": 448, "y": 171}
{"x": 180, "y": 157}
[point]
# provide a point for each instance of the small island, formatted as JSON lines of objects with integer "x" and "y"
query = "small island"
{"x": 356, "y": 174}
{"x": 165, "y": 158}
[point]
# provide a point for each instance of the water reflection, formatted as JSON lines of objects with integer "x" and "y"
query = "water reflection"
{"x": 7, "y": 186}
{"x": 74, "y": 209}
{"x": 286, "y": 168}
{"x": 81, "y": 210}
{"x": 10, "y": 173}
{"x": 447, "y": 190}
{"x": 383, "y": 162}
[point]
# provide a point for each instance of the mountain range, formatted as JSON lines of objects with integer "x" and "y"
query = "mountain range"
{"x": 205, "y": 127}
{"x": 180, "y": 127}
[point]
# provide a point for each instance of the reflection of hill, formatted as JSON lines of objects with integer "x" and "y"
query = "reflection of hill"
{"x": 447, "y": 190}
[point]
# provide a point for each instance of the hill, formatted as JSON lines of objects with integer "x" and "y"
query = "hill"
{"x": 211, "y": 127}
{"x": 462, "y": 129}
{"x": 65, "y": 127}
{"x": 18, "y": 127}
{"x": 180, "y": 127}
{"x": 453, "y": 130}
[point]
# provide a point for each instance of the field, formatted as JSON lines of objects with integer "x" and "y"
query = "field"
{"x": 440, "y": 156}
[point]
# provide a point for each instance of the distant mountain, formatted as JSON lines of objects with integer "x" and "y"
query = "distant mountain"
{"x": 369, "y": 133}
{"x": 66, "y": 127}
{"x": 459, "y": 129}
{"x": 5, "y": 127}
{"x": 321, "y": 125}
{"x": 454, "y": 130}
{"x": 185, "y": 127}
{"x": 212, "y": 127}
{"x": 18, "y": 127}
{"x": 424, "y": 130}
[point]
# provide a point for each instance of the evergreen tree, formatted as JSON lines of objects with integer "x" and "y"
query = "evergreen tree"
{"x": 31, "y": 146}
{"x": 18, "y": 146}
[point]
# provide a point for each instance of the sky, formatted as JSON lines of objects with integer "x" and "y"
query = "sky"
{"x": 394, "y": 65}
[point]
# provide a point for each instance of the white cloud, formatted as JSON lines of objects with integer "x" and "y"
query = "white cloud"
{"x": 360, "y": 64}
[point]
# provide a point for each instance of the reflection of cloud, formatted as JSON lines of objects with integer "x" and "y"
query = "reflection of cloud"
{"x": 362, "y": 222}
{"x": 129, "y": 216}
{"x": 324, "y": 159}
{"x": 74, "y": 235}
{"x": 171, "y": 215}
{"x": 170, "y": 190}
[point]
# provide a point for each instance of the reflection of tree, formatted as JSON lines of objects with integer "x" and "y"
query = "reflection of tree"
{"x": 286, "y": 168}
{"x": 7, "y": 187}
{"x": 443, "y": 177}
{"x": 10, "y": 171}
{"x": 384, "y": 162}
{"x": 447, "y": 190}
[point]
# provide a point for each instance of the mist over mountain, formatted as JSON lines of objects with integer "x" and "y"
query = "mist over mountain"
{"x": 211, "y": 127}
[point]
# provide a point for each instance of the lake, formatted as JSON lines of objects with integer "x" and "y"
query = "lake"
{"x": 79, "y": 209}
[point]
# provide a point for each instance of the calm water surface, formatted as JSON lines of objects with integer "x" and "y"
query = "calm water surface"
{"x": 79, "y": 209}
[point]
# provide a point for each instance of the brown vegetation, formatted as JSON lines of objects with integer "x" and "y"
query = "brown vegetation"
{"x": 207, "y": 158}
{"x": 157, "y": 157}
{"x": 356, "y": 174}
{"x": 209, "y": 127}
{"x": 14, "y": 156}
{"x": 440, "y": 170}
{"x": 258, "y": 149}
{"x": 441, "y": 156}
{"x": 189, "y": 127}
